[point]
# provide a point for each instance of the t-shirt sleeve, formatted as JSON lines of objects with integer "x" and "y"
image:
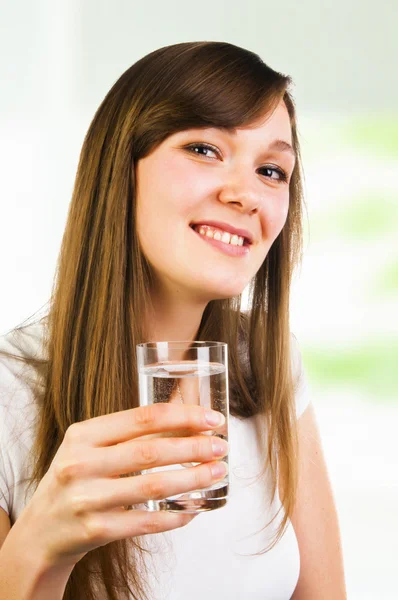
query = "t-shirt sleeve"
{"x": 18, "y": 418}
{"x": 302, "y": 393}
{"x": 6, "y": 471}
{"x": 14, "y": 428}
{"x": 4, "y": 491}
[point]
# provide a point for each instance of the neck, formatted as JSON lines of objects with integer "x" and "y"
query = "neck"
{"x": 169, "y": 322}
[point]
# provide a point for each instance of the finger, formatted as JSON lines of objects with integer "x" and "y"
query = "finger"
{"x": 121, "y": 426}
{"x": 139, "y": 454}
{"x": 105, "y": 494}
{"x": 102, "y": 528}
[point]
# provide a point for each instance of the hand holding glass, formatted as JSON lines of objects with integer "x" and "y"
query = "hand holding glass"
{"x": 187, "y": 373}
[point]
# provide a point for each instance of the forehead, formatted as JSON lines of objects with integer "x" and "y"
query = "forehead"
{"x": 274, "y": 128}
{"x": 272, "y": 125}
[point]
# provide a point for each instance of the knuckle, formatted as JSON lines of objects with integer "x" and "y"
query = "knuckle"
{"x": 144, "y": 415}
{"x": 66, "y": 471}
{"x": 197, "y": 447}
{"x": 95, "y": 529}
{"x": 152, "y": 524}
{"x": 80, "y": 505}
{"x": 147, "y": 453}
{"x": 176, "y": 444}
{"x": 74, "y": 432}
{"x": 151, "y": 488}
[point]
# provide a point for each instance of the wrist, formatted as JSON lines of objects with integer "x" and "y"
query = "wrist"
{"x": 26, "y": 572}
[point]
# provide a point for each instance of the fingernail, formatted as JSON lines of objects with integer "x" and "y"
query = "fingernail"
{"x": 219, "y": 447}
{"x": 219, "y": 469}
{"x": 214, "y": 418}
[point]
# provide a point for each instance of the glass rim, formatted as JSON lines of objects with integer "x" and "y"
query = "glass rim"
{"x": 182, "y": 344}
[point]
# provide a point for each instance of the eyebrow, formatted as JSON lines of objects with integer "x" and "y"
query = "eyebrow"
{"x": 276, "y": 145}
{"x": 282, "y": 146}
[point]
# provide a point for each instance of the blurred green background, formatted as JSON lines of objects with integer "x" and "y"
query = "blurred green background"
{"x": 347, "y": 297}
{"x": 344, "y": 313}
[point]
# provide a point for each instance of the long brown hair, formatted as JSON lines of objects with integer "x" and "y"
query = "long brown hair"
{"x": 103, "y": 281}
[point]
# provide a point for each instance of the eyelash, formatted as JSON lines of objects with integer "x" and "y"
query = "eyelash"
{"x": 281, "y": 173}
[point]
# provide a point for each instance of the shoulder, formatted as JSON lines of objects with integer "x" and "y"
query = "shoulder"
{"x": 17, "y": 418}
{"x": 17, "y": 408}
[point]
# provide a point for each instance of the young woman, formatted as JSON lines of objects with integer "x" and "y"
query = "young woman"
{"x": 188, "y": 190}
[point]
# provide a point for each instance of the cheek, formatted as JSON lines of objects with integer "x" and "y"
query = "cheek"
{"x": 275, "y": 217}
{"x": 175, "y": 190}
{"x": 166, "y": 197}
{"x": 161, "y": 191}
{"x": 284, "y": 212}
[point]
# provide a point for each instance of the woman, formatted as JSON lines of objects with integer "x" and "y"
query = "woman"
{"x": 194, "y": 134}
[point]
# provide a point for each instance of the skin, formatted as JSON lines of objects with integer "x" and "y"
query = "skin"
{"x": 177, "y": 186}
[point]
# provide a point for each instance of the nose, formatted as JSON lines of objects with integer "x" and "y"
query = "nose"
{"x": 239, "y": 191}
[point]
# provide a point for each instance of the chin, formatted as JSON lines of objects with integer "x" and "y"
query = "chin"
{"x": 223, "y": 292}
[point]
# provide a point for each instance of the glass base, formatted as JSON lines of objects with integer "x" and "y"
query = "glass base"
{"x": 192, "y": 502}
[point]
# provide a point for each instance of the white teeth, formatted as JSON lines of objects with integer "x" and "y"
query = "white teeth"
{"x": 226, "y": 237}
{"x": 223, "y": 236}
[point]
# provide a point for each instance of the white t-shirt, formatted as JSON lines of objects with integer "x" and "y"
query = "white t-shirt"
{"x": 207, "y": 558}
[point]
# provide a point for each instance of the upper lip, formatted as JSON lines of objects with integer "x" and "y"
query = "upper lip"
{"x": 226, "y": 227}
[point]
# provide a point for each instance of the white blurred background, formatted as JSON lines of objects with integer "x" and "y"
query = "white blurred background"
{"x": 59, "y": 59}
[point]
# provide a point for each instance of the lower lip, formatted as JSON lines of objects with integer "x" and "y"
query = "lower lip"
{"x": 226, "y": 248}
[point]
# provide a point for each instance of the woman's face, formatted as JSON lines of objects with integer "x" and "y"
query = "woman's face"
{"x": 238, "y": 181}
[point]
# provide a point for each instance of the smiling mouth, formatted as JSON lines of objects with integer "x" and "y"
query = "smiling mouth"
{"x": 197, "y": 228}
{"x": 224, "y": 248}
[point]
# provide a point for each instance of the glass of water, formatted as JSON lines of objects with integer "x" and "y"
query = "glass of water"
{"x": 187, "y": 372}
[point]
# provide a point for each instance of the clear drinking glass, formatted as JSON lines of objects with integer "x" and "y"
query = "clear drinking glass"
{"x": 187, "y": 372}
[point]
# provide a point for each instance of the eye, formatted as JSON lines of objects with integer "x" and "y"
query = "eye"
{"x": 202, "y": 147}
{"x": 282, "y": 177}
